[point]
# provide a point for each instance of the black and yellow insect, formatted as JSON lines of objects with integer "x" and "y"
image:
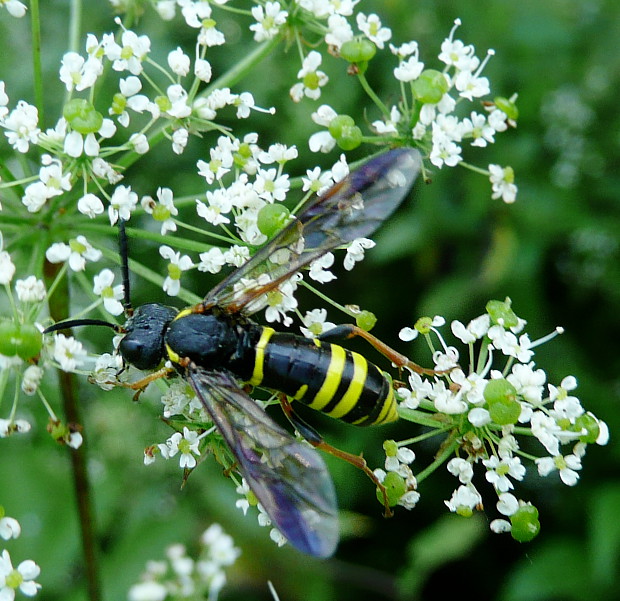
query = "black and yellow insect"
{"x": 216, "y": 348}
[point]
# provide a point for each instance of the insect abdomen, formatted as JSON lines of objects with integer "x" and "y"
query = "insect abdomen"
{"x": 324, "y": 376}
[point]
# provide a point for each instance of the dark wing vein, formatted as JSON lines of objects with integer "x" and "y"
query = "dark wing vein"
{"x": 353, "y": 208}
{"x": 289, "y": 478}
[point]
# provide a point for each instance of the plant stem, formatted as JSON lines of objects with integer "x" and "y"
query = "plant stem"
{"x": 58, "y": 304}
{"x": 35, "y": 27}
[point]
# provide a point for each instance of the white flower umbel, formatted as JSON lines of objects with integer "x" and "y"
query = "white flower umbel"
{"x": 501, "y": 408}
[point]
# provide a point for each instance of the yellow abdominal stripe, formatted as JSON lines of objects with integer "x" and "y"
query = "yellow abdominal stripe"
{"x": 332, "y": 381}
{"x": 259, "y": 360}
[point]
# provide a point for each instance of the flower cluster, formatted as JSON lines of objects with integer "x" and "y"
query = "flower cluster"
{"x": 62, "y": 207}
{"x": 22, "y": 577}
{"x": 488, "y": 414}
{"x": 180, "y": 576}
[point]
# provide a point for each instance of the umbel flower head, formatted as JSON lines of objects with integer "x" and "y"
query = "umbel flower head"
{"x": 491, "y": 412}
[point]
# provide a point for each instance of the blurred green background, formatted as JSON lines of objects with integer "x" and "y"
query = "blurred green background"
{"x": 555, "y": 252}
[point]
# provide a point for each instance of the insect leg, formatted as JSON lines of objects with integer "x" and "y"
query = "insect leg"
{"x": 140, "y": 385}
{"x": 346, "y": 331}
{"x": 316, "y": 440}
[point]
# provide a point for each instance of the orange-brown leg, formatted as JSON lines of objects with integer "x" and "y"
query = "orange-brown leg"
{"x": 346, "y": 331}
{"x": 140, "y": 385}
{"x": 316, "y": 440}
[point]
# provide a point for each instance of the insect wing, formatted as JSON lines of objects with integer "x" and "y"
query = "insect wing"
{"x": 353, "y": 208}
{"x": 289, "y": 479}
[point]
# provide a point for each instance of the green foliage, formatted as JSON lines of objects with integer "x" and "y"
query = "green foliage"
{"x": 555, "y": 253}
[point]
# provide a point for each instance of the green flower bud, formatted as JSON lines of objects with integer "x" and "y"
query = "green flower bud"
{"x": 501, "y": 397}
{"x": 358, "y": 51}
{"x": 25, "y": 340}
{"x": 525, "y": 524}
{"x": 9, "y": 337}
{"x": 31, "y": 342}
{"x": 272, "y": 218}
{"x": 501, "y": 313}
{"x": 366, "y": 320}
{"x": 430, "y": 87}
{"x": 119, "y": 102}
{"x": 395, "y": 488}
{"x": 82, "y": 116}
{"x": 390, "y": 447}
{"x": 507, "y": 106}
{"x": 590, "y": 423}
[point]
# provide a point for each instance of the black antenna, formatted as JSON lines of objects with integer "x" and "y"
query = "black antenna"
{"x": 71, "y": 323}
{"x": 122, "y": 247}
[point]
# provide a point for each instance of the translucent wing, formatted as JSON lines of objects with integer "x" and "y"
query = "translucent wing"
{"x": 353, "y": 208}
{"x": 289, "y": 478}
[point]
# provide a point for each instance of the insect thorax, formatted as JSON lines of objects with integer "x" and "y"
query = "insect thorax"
{"x": 213, "y": 341}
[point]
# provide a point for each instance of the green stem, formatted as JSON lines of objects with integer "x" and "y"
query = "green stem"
{"x": 373, "y": 96}
{"x": 75, "y": 19}
{"x": 35, "y": 27}
{"x": 439, "y": 460}
{"x": 58, "y": 308}
{"x": 228, "y": 79}
{"x": 326, "y": 298}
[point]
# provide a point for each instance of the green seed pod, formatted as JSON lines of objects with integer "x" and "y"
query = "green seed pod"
{"x": 82, "y": 116}
{"x": 430, "y": 87}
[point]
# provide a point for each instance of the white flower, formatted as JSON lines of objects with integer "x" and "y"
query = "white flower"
{"x": 79, "y": 73}
{"x": 110, "y": 295}
{"x": 77, "y": 252}
{"x": 23, "y": 577}
{"x": 187, "y": 444}
{"x": 68, "y": 352}
{"x": 312, "y": 80}
{"x": 319, "y": 269}
{"x": 447, "y": 401}
{"x": 499, "y": 470}
{"x": 462, "y": 469}
{"x": 219, "y": 205}
{"x": 270, "y": 186}
{"x": 568, "y": 467}
{"x": 179, "y": 62}
{"x": 355, "y": 252}
{"x": 510, "y": 345}
{"x": 30, "y": 290}
{"x": 179, "y": 140}
{"x": 123, "y": 201}
{"x": 90, "y": 205}
{"x": 212, "y": 261}
{"x": 15, "y": 8}
{"x": 269, "y": 20}
{"x": 202, "y": 70}
{"x": 177, "y": 265}
{"x": 315, "y": 323}
{"x": 9, "y": 528}
{"x": 31, "y": 379}
{"x": 479, "y": 416}
{"x": 502, "y": 182}
{"x": 149, "y": 590}
{"x": 339, "y": 31}
{"x": 464, "y": 499}
{"x": 21, "y": 126}
{"x": 129, "y": 54}
{"x": 475, "y": 329}
{"x": 163, "y": 210}
{"x": 507, "y": 504}
{"x": 371, "y": 26}
{"x": 528, "y": 382}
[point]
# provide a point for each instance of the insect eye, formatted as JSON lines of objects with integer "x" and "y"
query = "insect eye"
{"x": 143, "y": 353}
